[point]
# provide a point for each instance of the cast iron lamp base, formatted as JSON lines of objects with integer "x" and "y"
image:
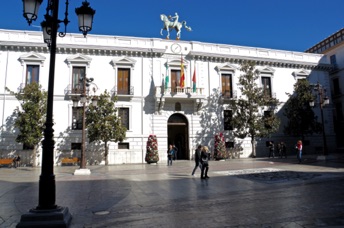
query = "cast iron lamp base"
{"x": 59, "y": 217}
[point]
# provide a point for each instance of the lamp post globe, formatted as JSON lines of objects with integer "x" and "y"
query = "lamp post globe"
{"x": 85, "y": 17}
{"x": 31, "y": 8}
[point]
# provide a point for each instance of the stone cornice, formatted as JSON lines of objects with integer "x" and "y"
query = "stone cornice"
{"x": 82, "y": 49}
{"x": 235, "y": 59}
{"x": 97, "y": 45}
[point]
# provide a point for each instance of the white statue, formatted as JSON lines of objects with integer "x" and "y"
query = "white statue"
{"x": 169, "y": 25}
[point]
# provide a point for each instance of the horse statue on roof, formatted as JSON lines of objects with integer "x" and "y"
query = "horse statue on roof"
{"x": 170, "y": 24}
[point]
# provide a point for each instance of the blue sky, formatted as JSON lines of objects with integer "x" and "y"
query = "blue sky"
{"x": 293, "y": 25}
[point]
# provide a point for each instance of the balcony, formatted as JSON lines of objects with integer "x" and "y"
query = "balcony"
{"x": 77, "y": 90}
{"x": 179, "y": 92}
{"x": 226, "y": 96}
{"x": 123, "y": 93}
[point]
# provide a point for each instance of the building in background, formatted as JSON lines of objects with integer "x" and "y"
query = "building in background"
{"x": 176, "y": 90}
{"x": 333, "y": 49}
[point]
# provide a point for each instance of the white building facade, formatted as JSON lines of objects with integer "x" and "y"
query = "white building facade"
{"x": 333, "y": 48}
{"x": 135, "y": 70}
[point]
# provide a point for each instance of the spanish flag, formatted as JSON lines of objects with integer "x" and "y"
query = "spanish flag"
{"x": 182, "y": 75}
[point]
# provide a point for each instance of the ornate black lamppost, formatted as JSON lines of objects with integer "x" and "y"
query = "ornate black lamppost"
{"x": 322, "y": 101}
{"x": 47, "y": 213}
{"x": 86, "y": 82}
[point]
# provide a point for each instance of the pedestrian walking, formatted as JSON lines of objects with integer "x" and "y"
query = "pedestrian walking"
{"x": 170, "y": 153}
{"x": 204, "y": 162}
{"x": 18, "y": 161}
{"x": 14, "y": 162}
{"x": 279, "y": 149}
{"x": 197, "y": 159}
{"x": 298, "y": 147}
{"x": 271, "y": 149}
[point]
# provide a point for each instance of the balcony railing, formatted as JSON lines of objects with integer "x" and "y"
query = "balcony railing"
{"x": 160, "y": 90}
{"x": 227, "y": 95}
{"x": 77, "y": 89}
{"x": 118, "y": 92}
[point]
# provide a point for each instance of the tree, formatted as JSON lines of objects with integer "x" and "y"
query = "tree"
{"x": 301, "y": 118}
{"x": 103, "y": 124}
{"x": 30, "y": 119}
{"x": 248, "y": 119}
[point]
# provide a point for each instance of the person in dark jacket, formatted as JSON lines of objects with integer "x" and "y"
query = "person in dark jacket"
{"x": 271, "y": 149}
{"x": 170, "y": 153}
{"x": 197, "y": 158}
{"x": 204, "y": 162}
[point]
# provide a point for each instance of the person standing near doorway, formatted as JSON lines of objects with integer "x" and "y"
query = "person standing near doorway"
{"x": 197, "y": 158}
{"x": 175, "y": 150}
{"x": 170, "y": 153}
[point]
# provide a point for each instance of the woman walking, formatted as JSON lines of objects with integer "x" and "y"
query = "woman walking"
{"x": 204, "y": 162}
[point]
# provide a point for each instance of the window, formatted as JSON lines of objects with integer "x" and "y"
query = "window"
{"x": 336, "y": 88}
{"x": 175, "y": 79}
{"x": 266, "y": 84}
{"x": 32, "y": 74}
{"x": 122, "y": 146}
{"x": 227, "y": 120}
{"x": 267, "y": 119}
{"x": 31, "y": 63}
{"x": 27, "y": 147}
{"x": 77, "y": 118}
{"x": 123, "y": 81}
{"x": 123, "y": 67}
{"x": 177, "y": 107}
{"x": 123, "y": 113}
{"x": 333, "y": 60}
{"x": 76, "y": 146}
{"x": 227, "y": 85}
{"x": 78, "y": 73}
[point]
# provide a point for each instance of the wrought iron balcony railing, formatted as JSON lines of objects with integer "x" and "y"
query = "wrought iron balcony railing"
{"x": 128, "y": 91}
{"x": 160, "y": 90}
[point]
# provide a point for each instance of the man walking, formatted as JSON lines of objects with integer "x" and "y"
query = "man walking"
{"x": 197, "y": 158}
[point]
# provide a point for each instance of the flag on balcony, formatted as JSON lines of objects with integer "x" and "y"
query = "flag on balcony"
{"x": 166, "y": 78}
{"x": 194, "y": 81}
{"x": 182, "y": 75}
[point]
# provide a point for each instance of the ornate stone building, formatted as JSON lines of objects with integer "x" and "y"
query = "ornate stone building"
{"x": 144, "y": 73}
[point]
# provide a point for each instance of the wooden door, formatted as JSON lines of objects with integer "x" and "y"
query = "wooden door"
{"x": 123, "y": 81}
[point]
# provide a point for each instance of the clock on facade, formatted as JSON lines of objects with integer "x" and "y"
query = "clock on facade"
{"x": 176, "y": 48}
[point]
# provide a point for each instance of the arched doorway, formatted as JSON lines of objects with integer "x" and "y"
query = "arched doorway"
{"x": 178, "y": 134}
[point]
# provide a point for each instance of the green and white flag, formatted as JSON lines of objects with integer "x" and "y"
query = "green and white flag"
{"x": 167, "y": 77}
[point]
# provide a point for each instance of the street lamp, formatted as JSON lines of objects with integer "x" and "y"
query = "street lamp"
{"x": 47, "y": 213}
{"x": 322, "y": 101}
{"x": 86, "y": 82}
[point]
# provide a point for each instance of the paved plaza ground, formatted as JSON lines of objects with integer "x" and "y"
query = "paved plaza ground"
{"x": 257, "y": 192}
